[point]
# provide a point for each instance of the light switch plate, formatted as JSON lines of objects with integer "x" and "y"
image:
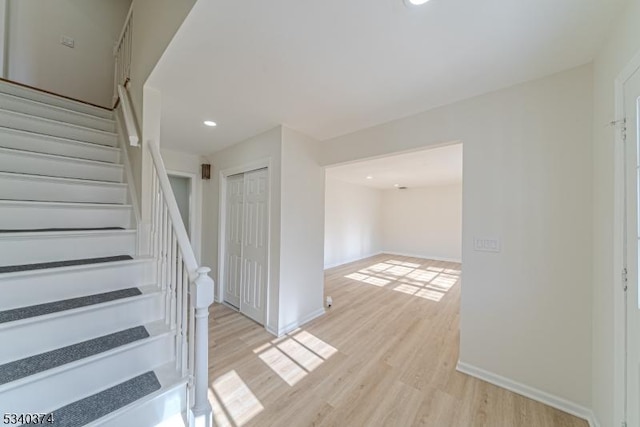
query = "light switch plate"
{"x": 67, "y": 41}
{"x": 486, "y": 244}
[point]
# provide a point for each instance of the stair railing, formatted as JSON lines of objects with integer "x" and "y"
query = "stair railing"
{"x": 122, "y": 55}
{"x": 188, "y": 290}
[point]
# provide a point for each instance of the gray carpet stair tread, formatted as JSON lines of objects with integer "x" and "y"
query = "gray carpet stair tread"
{"x": 91, "y": 408}
{"x": 41, "y": 362}
{"x": 47, "y": 230}
{"x": 67, "y": 304}
{"x": 69, "y": 263}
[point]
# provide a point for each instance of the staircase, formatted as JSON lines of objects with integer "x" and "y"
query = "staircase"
{"x": 83, "y": 330}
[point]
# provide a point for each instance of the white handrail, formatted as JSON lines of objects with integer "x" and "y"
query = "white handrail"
{"x": 129, "y": 117}
{"x": 122, "y": 54}
{"x": 187, "y": 288}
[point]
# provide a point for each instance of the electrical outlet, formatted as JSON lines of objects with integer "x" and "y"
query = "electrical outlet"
{"x": 486, "y": 244}
{"x": 67, "y": 41}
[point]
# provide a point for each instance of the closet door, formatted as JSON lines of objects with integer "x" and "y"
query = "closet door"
{"x": 254, "y": 245}
{"x": 233, "y": 239}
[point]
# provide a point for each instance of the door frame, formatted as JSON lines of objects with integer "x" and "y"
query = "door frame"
{"x": 222, "y": 225}
{"x": 619, "y": 247}
{"x": 195, "y": 216}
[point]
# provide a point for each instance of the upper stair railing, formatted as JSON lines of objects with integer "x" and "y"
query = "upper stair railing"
{"x": 188, "y": 290}
{"x": 122, "y": 55}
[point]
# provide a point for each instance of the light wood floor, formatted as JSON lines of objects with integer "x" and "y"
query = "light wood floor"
{"x": 384, "y": 354}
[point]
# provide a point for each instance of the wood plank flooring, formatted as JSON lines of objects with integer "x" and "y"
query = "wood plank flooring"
{"x": 383, "y": 355}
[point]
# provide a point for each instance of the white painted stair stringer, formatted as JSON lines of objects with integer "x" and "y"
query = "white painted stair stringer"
{"x": 15, "y": 120}
{"x": 17, "y": 215}
{"x": 51, "y": 112}
{"x": 49, "y": 390}
{"x": 18, "y": 186}
{"x": 52, "y": 99}
{"x": 24, "y": 288}
{"x": 46, "y": 144}
{"x": 27, "y": 162}
{"x": 69, "y": 327}
{"x": 36, "y": 247}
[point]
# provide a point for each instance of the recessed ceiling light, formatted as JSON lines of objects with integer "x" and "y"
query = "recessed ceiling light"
{"x": 210, "y": 123}
{"x": 369, "y": 177}
{"x": 415, "y": 2}
{"x": 396, "y": 185}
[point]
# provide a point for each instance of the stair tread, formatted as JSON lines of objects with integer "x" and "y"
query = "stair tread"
{"x": 57, "y": 156}
{"x": 67, "y": 304}
{"x": 55, "y": 230}
{"x": 60, "y": 138}
{"x": 56, "y": 107}
{"x": 28, "y": 366}
{"x": 35, "y": 176}
{"x": 103, "y": 403}
{"x": 90, "y": 129}
{"x": 73, "y": 262}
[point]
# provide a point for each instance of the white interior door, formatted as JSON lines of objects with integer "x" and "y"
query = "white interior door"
{"x": 254, "y": 245}
{"x": 233, "y": 239}
{"x": 632, "y": 110}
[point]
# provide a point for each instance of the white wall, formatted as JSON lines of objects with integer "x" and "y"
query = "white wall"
{"x": 353, "y": 222}
{"x": 36, "y": 57}
{"x": 179, "y": 162}
{"x": 302, "y": 228}
{"x": 423, "y": 222}
{"x": 526, "y": 311}
{"x": 622, "y": 44}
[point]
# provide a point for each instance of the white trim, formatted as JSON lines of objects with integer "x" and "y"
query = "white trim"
{"x": 222, "y": 219}
{"x": 195, "y": 211}
{"x": 298, "y": 323}
{"x": 530, "y": 392}
{"x": 619, "y": 261}
{"x": 350, "y": 260}
{"x": 4, "y": 38}
{"x": 434, "y": 258}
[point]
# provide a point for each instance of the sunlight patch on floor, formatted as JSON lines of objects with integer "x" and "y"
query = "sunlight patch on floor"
{"x": 294, "y": 355}
{"x": 232, "y": 401}
{"x": 431, "y": 283}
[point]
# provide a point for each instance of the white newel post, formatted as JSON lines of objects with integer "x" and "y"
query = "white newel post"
{"x": 201, "y": 299}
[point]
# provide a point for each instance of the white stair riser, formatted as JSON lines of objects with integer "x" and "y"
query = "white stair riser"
{"x": 15, "y": 187}
{"x": 63, "y": 130}
{"x": 74, "y": 327}
{"x": 30, "y": 216}
{"x": 39, "y": 287}
{"x": 19, "y": 250}
{"x": 30, "y": 163}
{"x": 13, "y": 89}
{"x": 34, "y": 108}
{"x": 21, "y": 140}
{"x": 162, "y": 408}
{"x": 59, "y": 389}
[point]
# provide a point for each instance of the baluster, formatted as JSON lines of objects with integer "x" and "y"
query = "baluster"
{"x": 180, "y": 325}
{"x": 172, "y": 275}
{"x": 166, "y": 266}
{"x": 185, "y": 318}
{"x": 154, "y": 197}
{"x": 161, "y": 213}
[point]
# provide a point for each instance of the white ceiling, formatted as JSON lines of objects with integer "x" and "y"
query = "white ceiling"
{"x": 332, "y": 67}
{"x": 436, "y": 166}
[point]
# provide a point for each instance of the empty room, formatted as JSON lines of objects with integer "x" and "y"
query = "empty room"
{"x": 336, "y": 213}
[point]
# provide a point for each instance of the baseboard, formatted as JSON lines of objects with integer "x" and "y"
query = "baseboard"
{"x": 350, "y": 260}
{"x": 435, "y": 258}
{"x": 530, "y": 392}
{"x": 295, "y": 325}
